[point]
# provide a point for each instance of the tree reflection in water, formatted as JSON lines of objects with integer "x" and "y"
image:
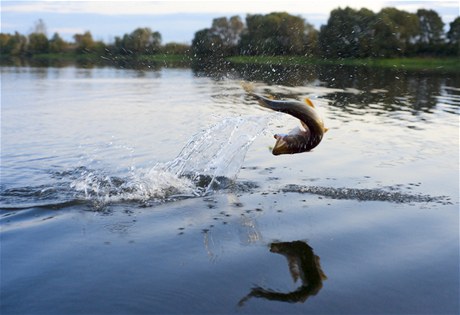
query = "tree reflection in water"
{"x": 303, "y": 264}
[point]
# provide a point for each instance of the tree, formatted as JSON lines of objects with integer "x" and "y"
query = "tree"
{"x": 431, "y": 32}
{"x": 395, "y": 30}
{"x": 431, "y": 27}
{"x": 4, "y": 44}
{"x": 84, "y": 42}
{"x": 140, "y": 41}
{"x": 207, "y": 44}
{"x": 348, "y": 33}
{"x": 143, "y": 41}
{"x": 229, "y": 30}
{"x": 17, "y": 44}
{"x": 57, "y": 44}
{"x": 175, "y": 49}
{"x": 277, "y": 33}
{"x": 310, "y": 40}
{"x": 453, "y": 35}
{"x": 38, "y": 44}
{"x": 220, "y": 40}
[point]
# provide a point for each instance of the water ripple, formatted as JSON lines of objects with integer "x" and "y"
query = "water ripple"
{"x": 373, "y": 194}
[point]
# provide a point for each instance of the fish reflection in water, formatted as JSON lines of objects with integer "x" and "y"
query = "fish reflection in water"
{"x": 303, "y": 264}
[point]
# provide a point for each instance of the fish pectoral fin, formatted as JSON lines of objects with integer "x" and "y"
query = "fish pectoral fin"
{"x": 325, "y": 129}
{"x": 304, "y": 126}
{"x": 309, "y": 102}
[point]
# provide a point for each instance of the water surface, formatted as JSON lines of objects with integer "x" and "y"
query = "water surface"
{"x": 154, "y": 191}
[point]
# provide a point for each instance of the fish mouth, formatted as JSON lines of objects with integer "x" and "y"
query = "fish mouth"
{"x": 281, "y": 146}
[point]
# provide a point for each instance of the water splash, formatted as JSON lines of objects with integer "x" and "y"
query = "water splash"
{"x": 219, "y": 151}
{"x": 210, "y": 160}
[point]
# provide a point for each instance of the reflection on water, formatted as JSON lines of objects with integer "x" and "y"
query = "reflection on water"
{"x": 398, "y": 89}
{"x": 121, "y": 62}
{"x": 303, "y": 264}
{"x": 350, "y": 88}
{"x": 353, "y": 88}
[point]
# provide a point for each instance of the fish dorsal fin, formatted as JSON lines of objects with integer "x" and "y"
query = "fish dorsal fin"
{"x": 309, "y": 103}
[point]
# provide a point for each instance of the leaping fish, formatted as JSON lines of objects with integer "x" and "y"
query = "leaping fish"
{"x": 299, "y": 139}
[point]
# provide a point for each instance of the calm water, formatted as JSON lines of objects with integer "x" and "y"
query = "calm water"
{"x": 154, "y": 191}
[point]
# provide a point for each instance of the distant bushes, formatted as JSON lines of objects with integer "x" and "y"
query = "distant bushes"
{"x": 142, "y": 41}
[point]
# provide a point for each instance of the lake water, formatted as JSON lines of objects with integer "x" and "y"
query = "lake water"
{"x": 154, "y": 191}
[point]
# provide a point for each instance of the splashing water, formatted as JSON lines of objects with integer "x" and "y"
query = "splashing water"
{"x": 210, "y": 160}
{"x": 218, "y": 151}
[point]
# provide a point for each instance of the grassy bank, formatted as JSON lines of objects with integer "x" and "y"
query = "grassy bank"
{"x": 416, "y": 63}
{"x": 164, "y": 58}
{"x": 95, "y": 57}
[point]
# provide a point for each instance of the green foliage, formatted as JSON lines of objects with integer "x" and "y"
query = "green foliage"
{"x": 394, "y": 32}
{"x": 453, "y": 35}
{"x": 14, "y": 45}
{"x": 430, "y": 38}
{"x": 140, "y": 41}
{"x": 277, "y": 33}
{"x": 220, "y": 40}
{"x": 175, "y": 49}
{"x": 84, "y": 42}
{"x": 57, "y": 44}
{"x": 454, "y": 32}
{"x": 38, "y": 44}
{"x": 348, "y": 33}
{"x": 413, "y": 63}
{"x": 207, "y": 44}
{"x": 431, "y": 27}
{"x": 228, "y": 30}
{"x": 361, "y": 33}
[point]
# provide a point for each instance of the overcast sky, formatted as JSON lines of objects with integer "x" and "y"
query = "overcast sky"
{"x": 178, "y": 20}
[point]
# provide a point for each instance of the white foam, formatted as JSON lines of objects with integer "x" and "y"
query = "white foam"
{"x": 217, "y": 151}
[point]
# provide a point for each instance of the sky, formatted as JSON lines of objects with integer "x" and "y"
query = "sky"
{"x": 178, "y": 20}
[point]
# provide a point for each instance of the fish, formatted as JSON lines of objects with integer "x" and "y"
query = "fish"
{"x": 298, "y": 140}
{"x": 303, "y": 264}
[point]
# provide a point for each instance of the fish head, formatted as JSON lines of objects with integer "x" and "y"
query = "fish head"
{"x": 281, "y": 145}
{"x": 296, "y": 141}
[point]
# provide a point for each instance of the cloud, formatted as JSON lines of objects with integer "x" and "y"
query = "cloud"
{"x": 223, "y": 7}
{"x": 118, "y": 7}
{"x": 177, "y": 20}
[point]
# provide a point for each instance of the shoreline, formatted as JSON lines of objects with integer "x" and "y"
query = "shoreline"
{"x": 451, "y": 64}
{"x": 414, "y": 63}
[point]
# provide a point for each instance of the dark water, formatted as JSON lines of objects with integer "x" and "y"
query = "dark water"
{"x": 154, "y": 191}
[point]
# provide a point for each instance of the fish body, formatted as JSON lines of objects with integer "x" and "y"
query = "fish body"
{"x": 300, "y": 139}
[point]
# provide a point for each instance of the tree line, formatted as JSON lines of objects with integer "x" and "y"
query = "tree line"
{"x": 142, "y": 41}
{"x": 349, "y": 33}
